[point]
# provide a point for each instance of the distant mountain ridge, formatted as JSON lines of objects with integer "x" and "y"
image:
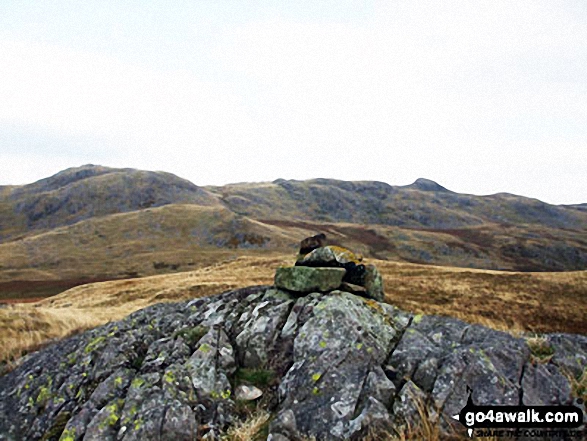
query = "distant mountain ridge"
{"x": 423, "y": 204}
{"x": 95, "y": 221}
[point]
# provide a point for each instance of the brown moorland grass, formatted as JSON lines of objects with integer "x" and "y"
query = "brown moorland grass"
{"x": 533, "y": 302}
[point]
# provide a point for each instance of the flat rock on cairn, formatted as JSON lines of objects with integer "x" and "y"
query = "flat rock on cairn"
{"x": 318, "y": 267}
{"x": 326, "y": 365}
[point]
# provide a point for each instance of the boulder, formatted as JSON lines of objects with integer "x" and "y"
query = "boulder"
{"x": 373, "y": 283}
{"x": 338, "y": 257}
{"x": 311, "y": 243}
{"x": 302, "y": 279}
{"x": 329, "y": 256}
{"x": 359, "y": 278}
{"x": 335, "y": 352}
{"x": 247, "y": 393}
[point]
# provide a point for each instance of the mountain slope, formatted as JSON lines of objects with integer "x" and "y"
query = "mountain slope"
{"x": 90, "y": 191}
{"x": 168, "y": 238}
{"x": 97, "y": 222}
{"x": 423, "y": 204}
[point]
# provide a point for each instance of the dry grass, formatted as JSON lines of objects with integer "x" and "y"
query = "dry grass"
{"x": 24, "y": 329}
{"x": 248, "y": 429}
{"x": 27, "y": 326}
{"x": 512, "y": 301}
{"x": 522, "y": 302}
{"x": 183, "y": 237}
{"x": 579, "y": 384}
{"x": 255, "y": 427}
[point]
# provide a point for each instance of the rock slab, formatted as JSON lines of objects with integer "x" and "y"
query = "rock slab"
{"x": 304, "y": 279}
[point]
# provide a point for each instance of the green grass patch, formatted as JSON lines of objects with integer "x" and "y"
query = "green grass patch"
{"x": 56, "y": 430}
{"x": 192, "y": 335}
{"x": 579, "y": 386}
{"x": 260, "y": 378}
{"x": 541, "y": 351}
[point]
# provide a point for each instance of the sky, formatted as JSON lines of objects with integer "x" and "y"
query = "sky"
{"x": 481, "y": 97}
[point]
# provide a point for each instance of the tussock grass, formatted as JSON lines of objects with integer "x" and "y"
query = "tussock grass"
{"x": 578, "y": 384}
{"x": 256, "y": 425}
{"x": 24, "y": 329}
{"x": 252, "y": 428}
{"x": 541, "y": 351}
{"x": 509, "y": 301}
{"x": 257, "y": 377}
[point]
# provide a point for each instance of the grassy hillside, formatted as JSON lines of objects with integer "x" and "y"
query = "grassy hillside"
{"x": 182, "y": 237}
{"x": 424, "y": 204}
{"x": 151, "y": 241}
{"x": 91, "y": 191}
{"x": 94, "y": 223}
{"x": 517, "y": 302}
{"x": 488, "y": 246}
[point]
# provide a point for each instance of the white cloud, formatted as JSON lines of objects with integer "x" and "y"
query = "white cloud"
{"x": 477, "y": 95}
{"x": 79, "y": 93}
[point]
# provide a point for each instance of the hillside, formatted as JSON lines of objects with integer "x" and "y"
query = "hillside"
{"x": 82, "y": 193}
{"x": 155, "y": 240}
{"x": 95, "y": 223}
{"x": 424, "y": 204}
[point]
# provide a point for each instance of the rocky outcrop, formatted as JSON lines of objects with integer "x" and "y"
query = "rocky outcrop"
{"x": 331, "y": 365}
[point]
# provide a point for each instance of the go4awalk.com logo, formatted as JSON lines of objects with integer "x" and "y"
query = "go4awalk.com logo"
{"x": 522, "y": 421}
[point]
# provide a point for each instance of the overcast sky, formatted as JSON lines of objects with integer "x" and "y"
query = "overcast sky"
{"x": 482, "y": 97}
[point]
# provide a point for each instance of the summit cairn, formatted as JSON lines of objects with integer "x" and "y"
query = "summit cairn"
{"x": 321, "y": 267}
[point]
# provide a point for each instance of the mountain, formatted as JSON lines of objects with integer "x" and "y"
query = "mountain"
{"x": 582, "y": 207}
{"x": 426, "y": 185}
{"x": 423, "y": 204}
{"x": 97, "y": 223}
{"x": 81, "y": 193}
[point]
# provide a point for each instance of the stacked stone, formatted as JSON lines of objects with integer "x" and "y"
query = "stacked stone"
{"x": 323, "y": 268}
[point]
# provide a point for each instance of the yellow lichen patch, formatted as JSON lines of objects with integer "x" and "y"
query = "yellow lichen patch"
{"x": 205, "y": 348}
{"x": 137, "y": 382}
{"x": 344, "y": 256}
{"x": 113, "y": 416}
{"x": 374, "y": 305}
{"x": 138, "y": 423}
{"x": 94, "y": 344}
{"x": 68, "y": 435}
{"x": 225, "y": 394}
{"x": 169, "y": 377}
{"x": 43, "y": 396}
